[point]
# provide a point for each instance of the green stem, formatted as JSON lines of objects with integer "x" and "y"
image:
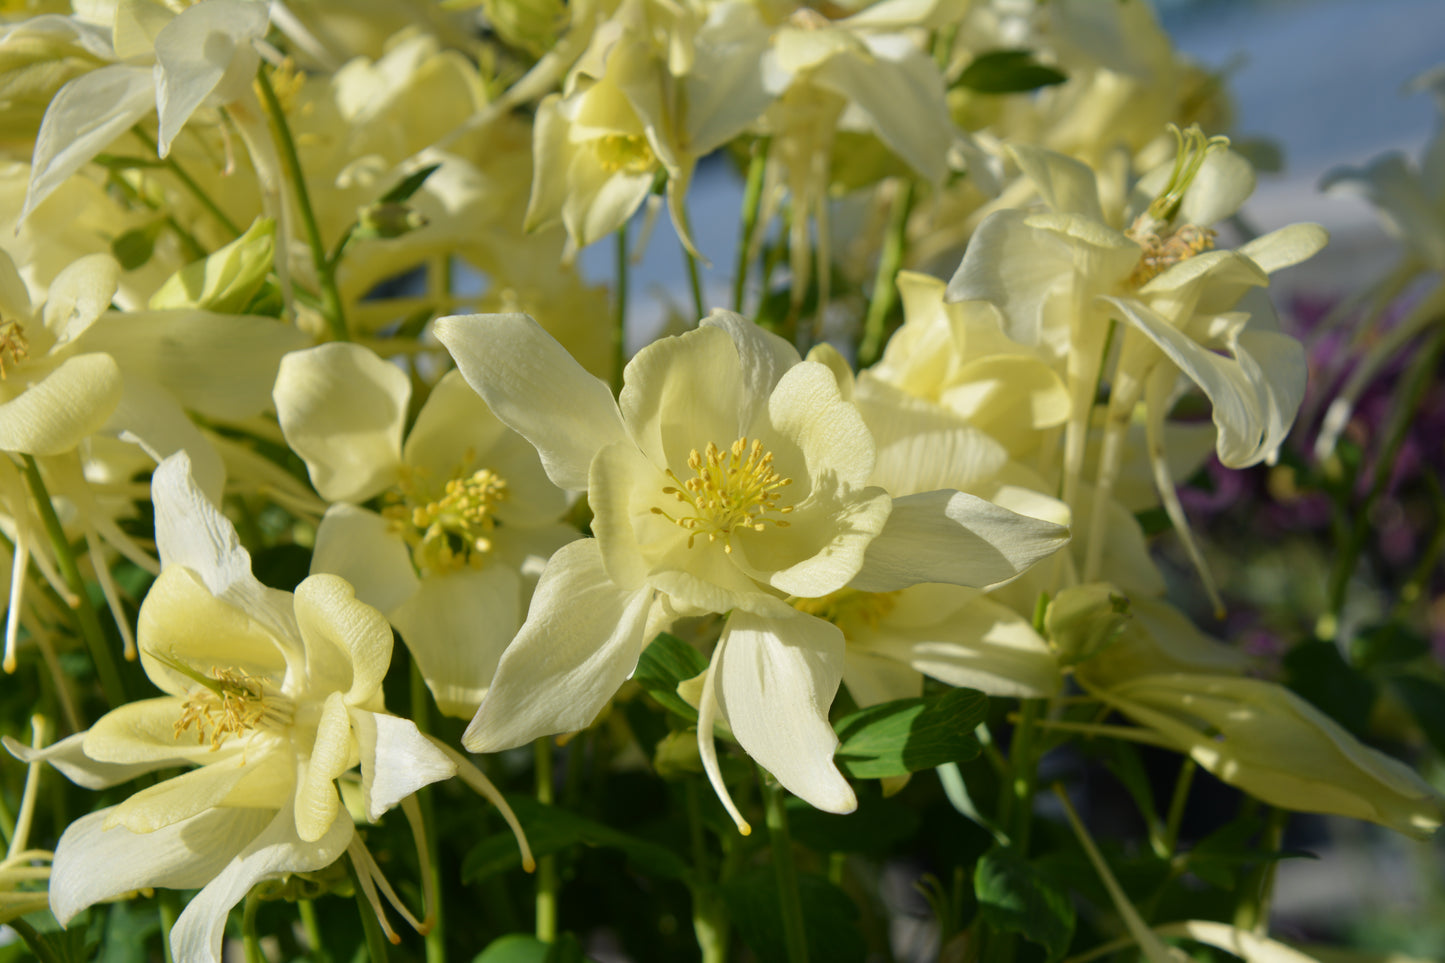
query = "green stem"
{"x": 312, "y": 927}
{"x": 85, "y": 616}
{"x": 885, "y": 284}
{"x": 709, "y": 913}
{"x": 1258, "y": 890}
{"x": 1023, "y": 762}
{"x": 695, "y": 283}
{"x": 752, "y": 202}
{"x": 190, "y": 184}
{"x": 546, "y": 865}
{"x": 250, "y": 940}
{"x": 1176, "y": 805}
{"x": 331, "y": 308}
{"x": 170, "y": 910}
{"x": 376, "y": 941}
{"x": 36, "y": 943}
{"x": 436, "y": 947}
{"x": 619, "y": 312}
{"x": 795, "y": 937}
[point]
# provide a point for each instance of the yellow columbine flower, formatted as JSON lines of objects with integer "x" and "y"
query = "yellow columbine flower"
{"x": 729, "y": 476}
{"x": 270, "y": 698}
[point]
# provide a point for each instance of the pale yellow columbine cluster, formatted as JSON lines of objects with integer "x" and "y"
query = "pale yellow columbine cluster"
{"x": 1048, "y": 307}
{"x": 730, "y": 476}
{"x": 270, "y": 698}
{"x": 465, "y": 509}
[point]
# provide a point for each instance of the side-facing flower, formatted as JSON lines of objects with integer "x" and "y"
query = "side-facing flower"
{"x": 271, "y": 697}
{"x": 464, "y": 509}
{"x": 729, "y": 477}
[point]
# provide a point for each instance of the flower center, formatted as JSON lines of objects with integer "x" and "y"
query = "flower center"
{"x": 12, "y": 345}
{"x": 450, "y": 530}
{"x": 1162, "y": 253}
{"x": 625, "y": 153}
{"x": 736, "y": 488}
{"x": 228, "y": 703}
{"x": 1165, "y": 243}
{"x": 849, "y": 606}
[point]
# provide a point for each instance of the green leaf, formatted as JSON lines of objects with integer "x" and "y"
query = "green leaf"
{"x": 550, "y": 830}
{"x": 665, "y": 663}
{"x": 408, "y": 185}
{"x": 1386, "y": 644}
{"x": 1426, "y": 701}
{"x": 523, "y": 948}
{"x": 1008, "y": 72}
{"x": 829, "y": 917}
{"x": 135, "y": 247}
{"x": 876, "y": 828}
{"x": 908, "y": 735}
{"x": 1316, "y": 672}
{"x": 1015, "y": 898}
{"x": 1220, "y": 858}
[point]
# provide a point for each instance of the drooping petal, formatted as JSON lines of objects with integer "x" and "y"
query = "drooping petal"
{"x": 205, "y": 45}
{"x": 1254, "y": 394}
{"x": 58, "y": 411}
{"x": 362, "y": 547}
{"x": 396, "y": 760}
{"x": 581, "y": 640}
{"x": 776, "y": 681}
{"x": 342, "y": 410}
{"x": 85, "y": 116}
{"x": 348, "y": 643}
{"x": 534, "y": 386}
{"x": 94, "y": 864}
{"x": 954, "y": 537}
{"x": 456, "y": 627}
{"x": 277, "y": 850}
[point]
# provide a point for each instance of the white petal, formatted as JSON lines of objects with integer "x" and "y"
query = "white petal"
{"x": 85, "y": 116}
{"x": 150, "y": 416}
{"x": 196, "y": 51}
{"x": 317, "y": 803}
{"x": 79, "y": 295}
{"x": 276, "y": 851}
{"x": 396, "y": 760}
{"x": 1066, "y": 185}
{"x": 93, "y": 864}
{"x": 954, "y": 537}
{"x": 342, "y": 409}
{"x": 220, "y": 365}
{"x": 580, "y": 642}
{"x": 57, "y": 412}
{"x": 71, "y": 761}
{"x": 348, "y": 643}
{"x": 776, "y": 681}
{"x": 363, "y": 548}
{"x": 456, "y": 627}
{"x": 533, "y": 385}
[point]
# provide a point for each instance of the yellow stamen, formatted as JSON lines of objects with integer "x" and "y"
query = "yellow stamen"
{"x": 1165, "y": 243}
{"x": 229, "y": 703}
{"x": 13, "y": 344}
{"x": 624, "y": 153}
{"x": 732, "y": 489}
{"x": 452, "y": 530}
{"x": 850, "y": 607}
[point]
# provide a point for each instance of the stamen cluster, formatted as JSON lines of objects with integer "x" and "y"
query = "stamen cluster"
{"x": 13, "y": 344}
{"x": 231, "y": 703}
{"x": 452, "y": 530}
{"x": 736, "y": 488}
